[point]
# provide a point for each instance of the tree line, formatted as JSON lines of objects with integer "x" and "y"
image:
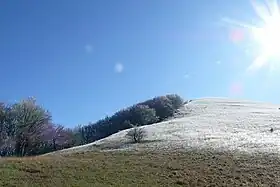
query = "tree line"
{"x": 26, "y": 128}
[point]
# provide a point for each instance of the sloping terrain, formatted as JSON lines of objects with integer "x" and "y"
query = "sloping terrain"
{"x": 216, "y": 123}
{"x": 209, "y": 144}
{"x": 129, "y": 169}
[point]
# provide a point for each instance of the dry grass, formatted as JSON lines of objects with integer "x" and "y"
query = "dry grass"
{"x": 191, "y": 168}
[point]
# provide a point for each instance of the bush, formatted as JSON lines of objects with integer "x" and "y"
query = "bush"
{"x": 163, "y": 107}
{"x": 176, "y": 100}
{"x": 142, "y": 115}
{"x": 136, "y": 134}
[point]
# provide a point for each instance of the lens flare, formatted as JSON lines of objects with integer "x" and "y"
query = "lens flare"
{"x": 265, "y": 37}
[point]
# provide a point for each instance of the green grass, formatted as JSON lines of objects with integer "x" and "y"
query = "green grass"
{"x": 191, "y": 168}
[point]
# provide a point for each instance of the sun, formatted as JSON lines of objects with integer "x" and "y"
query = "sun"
{"x": 264, "y": 37}
{"x": 268, "y": 36}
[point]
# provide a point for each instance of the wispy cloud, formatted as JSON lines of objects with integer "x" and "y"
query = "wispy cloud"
{"x": 218, "y": 62}
{"x": 88, "y": 48}
{"x": 119, "y": 67}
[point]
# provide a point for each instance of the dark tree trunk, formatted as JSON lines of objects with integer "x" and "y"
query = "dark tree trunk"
{"x": 54, "y": 145}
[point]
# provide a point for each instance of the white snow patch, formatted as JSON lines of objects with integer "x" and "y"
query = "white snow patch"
{"x": 218, "y": 123}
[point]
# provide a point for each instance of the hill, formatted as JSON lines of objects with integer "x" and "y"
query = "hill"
{"x": 210, "y": 142}
{"x": 218, "y": 123}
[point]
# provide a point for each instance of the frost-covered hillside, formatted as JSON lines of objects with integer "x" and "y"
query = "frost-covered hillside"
{"x": 218, "y": 123}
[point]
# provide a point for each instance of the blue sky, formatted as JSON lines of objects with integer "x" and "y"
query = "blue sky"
{"x": 86, "y": 59}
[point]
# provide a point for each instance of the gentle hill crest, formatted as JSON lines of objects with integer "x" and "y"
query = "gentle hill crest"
{"x": 218, "y": 123}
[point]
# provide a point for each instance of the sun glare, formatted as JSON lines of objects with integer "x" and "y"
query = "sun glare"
{"x": 265, "y": 38}
{"x": 268, "y": 37}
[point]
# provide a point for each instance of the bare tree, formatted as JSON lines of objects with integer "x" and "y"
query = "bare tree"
{"x": 136, "y": 134}
{"x": 29, "y": 121}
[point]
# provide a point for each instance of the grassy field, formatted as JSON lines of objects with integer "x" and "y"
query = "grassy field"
{"x": 191, "y": 168}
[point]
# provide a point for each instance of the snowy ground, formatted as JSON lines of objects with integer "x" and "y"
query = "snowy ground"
{"x": 217, "y": 123}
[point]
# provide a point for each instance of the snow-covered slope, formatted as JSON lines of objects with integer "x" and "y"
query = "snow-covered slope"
{"x": 218, "y": 123}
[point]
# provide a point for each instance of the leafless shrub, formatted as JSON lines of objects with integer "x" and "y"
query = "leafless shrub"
{"x": 136, "y": 134}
